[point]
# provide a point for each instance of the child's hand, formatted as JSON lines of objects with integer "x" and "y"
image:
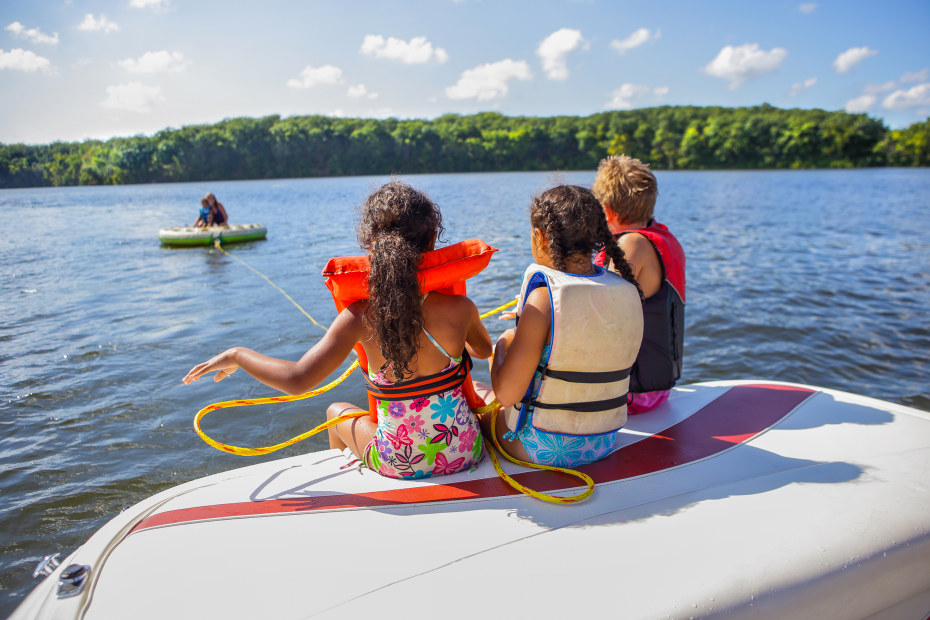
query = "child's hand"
{"x": 222, "y": 364}
{"x": 509, "y": 314}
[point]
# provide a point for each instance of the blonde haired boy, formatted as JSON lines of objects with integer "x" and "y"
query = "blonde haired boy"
{"x": 627, "y": 191}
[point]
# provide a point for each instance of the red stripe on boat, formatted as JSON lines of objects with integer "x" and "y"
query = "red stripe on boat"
{"x": 740, "y": 413}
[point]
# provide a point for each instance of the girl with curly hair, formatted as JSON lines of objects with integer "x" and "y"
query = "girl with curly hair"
{"x": 409, "y": 339}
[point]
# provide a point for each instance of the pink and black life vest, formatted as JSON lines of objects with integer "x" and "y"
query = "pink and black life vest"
{"x": 658, "y": 364}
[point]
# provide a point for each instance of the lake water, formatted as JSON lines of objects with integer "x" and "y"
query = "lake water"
{"x": 818, "y": 277}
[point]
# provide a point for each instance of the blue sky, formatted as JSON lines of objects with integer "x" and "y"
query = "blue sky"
{"x": 77, "y": 69}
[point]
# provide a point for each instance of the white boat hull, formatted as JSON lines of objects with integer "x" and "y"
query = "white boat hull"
{"x": 734, "y": 499}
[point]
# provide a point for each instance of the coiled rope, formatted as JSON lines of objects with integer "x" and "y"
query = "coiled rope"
{"x": 274, "y": 399}
{"x": 493, "y": 408}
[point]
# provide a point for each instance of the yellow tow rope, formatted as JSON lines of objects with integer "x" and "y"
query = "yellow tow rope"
{"x": 216, "y": 244}
{"x": 275, "y": 399}
{"x": 493, "y": 408}
{"x": 245, "y": 402}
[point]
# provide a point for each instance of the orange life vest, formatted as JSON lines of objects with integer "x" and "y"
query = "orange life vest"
{"x": 444, "y": 271}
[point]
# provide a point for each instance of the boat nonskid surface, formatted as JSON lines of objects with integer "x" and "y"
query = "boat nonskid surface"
{"x": 719, "y": 502}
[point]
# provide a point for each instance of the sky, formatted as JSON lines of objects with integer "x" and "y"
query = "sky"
{"x": 72, "y": 70}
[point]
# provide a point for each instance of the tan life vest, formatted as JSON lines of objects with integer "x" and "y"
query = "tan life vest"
{"x": 595, "y": 334}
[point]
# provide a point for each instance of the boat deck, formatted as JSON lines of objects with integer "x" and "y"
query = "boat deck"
{"x": 734, "y": 499}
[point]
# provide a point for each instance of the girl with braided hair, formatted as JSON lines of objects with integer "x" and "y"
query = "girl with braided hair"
{"x": 405, "y": 336}
{"x": 562, "y": 374}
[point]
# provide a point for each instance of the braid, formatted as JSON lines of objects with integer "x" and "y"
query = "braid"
{"x": 617, "y": 259}
{"x": 397, "y": 226}
{"x": 545, "y": 218}
{"x": 574, "y": 224}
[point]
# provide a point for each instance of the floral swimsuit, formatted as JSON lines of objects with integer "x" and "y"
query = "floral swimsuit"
{"x": 429, "y": 434}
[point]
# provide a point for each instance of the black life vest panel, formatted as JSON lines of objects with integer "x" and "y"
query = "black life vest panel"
{"x": 658, "y": 364}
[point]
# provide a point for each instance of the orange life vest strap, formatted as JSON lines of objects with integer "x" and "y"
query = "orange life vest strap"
{"x": 444, "y": 381}
{"x": 444, "y": 270}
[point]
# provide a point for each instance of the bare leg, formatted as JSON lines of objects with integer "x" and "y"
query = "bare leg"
{"x": 513, "y": 447}
{"x": 354, "y": 434}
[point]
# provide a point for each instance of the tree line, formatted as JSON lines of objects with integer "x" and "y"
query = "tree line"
{"x": 668, "y": 138}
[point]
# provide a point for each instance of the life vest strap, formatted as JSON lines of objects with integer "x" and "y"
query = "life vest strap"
{"x": 594, "y": 406}
{"x": 608, "y": 376}
{"x": 423, "y": 386}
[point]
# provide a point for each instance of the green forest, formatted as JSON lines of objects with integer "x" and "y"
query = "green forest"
{"x": 668, "y": 138}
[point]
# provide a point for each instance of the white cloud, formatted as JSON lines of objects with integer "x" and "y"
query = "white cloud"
{"x": 745, "y": 62}
{"x": 799, "y": 87}
{"x": 489, "y": 81}
{"x": 155, "y": 62}
{"x": 23, "y": 60}
{"x": 359, "y": 91}
{"x": 625, "y": 97}
{"x": 916, "y": 76}
{"x": 92, "y": 23}
{"x": 416, "y": 51}
{"x": 860, "y": 104}
{"x": 555, "y": 48}
{"x": 144, "y": 4}
{"x": 636, "y": 39}
{"x": 380, "y": 113}
{"x": 902, "y": 99}
{"x": 874, "y": 89}
{"x": 134, "y": 96}
{"x": 33, "y": 34}
{"x": 852, "y": 57}
{"x": 807, "y": 7}
{"x": 311, "y": 76}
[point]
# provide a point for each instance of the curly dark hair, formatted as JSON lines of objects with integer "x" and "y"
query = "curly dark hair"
{"x": 398, "y": 224}
{"x": 573, "y": 222}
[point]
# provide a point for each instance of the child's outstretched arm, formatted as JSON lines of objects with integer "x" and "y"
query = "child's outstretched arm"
{"x": 284, "y": 375}
{"x": 517, "y": 353}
